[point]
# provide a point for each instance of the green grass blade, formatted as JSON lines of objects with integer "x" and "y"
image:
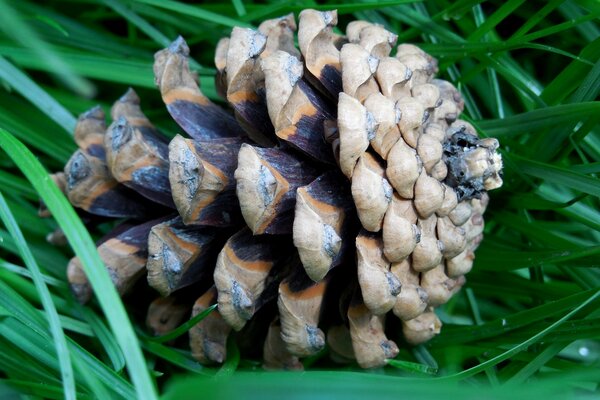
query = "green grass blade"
{"x": 538, "y": 119}
{"x": 13, "y": 25}
{"x": 58, "y": 335}
{"x": 31, "y": 91}
{"x": 233, "y": 358}
{"x": 560, "y": 176}
{"x": 196, "y": 12}
{"x": 39, "y": 390}
{"x": 24, "y": 272}
{"x": 16, "y": 185}
{"x": 522, "y": 346}
{"x": 110, "y": 345}
{"x": 142, "y": 24}
{"x": 413, "y": 367}
{"x": 84, "y": 248}
{"x": 176, "y": 357}
{"x": 504, "y": 11}
{"x": 183, "y": 328}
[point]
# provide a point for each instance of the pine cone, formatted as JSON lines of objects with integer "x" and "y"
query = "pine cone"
{"x": 342, "y": 190}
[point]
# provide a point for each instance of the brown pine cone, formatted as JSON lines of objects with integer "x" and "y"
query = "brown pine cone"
{"x": 343, "y": 189}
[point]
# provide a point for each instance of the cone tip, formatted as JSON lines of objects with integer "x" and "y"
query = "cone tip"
{"x": 130, "y": 96}
{"x": 179, "y": 46}
{"x": 95, "y": 112}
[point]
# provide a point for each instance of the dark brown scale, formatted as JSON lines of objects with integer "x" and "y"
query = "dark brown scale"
{"x": 181, "y": 255}
{"x": 139, "y": 159}
{"x": 124, "y": 251}
{"x": 247, "y": 269}
{"x": 202, "y": 181}
{"x": 194, "y": 112}
{"x": 325, "y": 223}
{"x": 267, "y": 180}
{"x": 90, "y": 187}
{"x": 308, "y": 133}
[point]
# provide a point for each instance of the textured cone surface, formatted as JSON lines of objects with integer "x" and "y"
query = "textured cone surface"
{"x": 341, "y": 189}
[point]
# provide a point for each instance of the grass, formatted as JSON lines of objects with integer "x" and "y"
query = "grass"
{"x": 527, "y": 322}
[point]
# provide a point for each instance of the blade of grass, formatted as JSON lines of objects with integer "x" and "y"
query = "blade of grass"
{"x": 142, "y": 24}
{"x": 40, "y": 390}
{"x": 60, "y": 343}
{"x": 523, "y": 345}
{"x": 85, "y": 249}
{"x": 24, "y": 272}
{"x": 538, "y": 119}
{"x": 12, "y": 24}
{"x": 195, "y": 12}
{"x": 16, "y": 185}
{"x": 240, "y": 9}
{"x": 176, "y": 358}
{"x": 558, "y": 175}
{"x": 412, "y": 367}
{"x": 28, "y": 328}
{"x": 467, "y": 334}
{"x": 498, "y": 16}
{"x": 102, "y": 333}
{"x": 36, "y": 95}
{"x": 183, "y": 328}
{"x": 233, "y": 358}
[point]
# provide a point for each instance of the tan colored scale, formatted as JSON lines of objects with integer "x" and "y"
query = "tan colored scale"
{"x": 208, "y": 338}
{"x": 429, "y": 195}
{"x": 124, "y": 266}
{"x": 356, "y": 127}
{"x": 372, "y": 37}
{"x": 451, "y": 106}
{"x": 317, "y": 229}
{"x": 422, "y": 328}
{"x": 438, "y": 285}
{"x": 393, "y": 78}
{"x": 422, "y": 65}
{"x": 428, "y": 251}
{"x": 378, "y": 285}
{"x": 276, "y": 356}
{"x": 371, "y": 347}
{"x": 208, "y": 182}
{"x": 358, "y": 67}
{"x": 295, "y": 108}
{"x": 138, "y": 161}
{"x": 400, "y": 232}
{"x": 320, "y": 47}
{"x": 299, "y": 311}
{"x": 202, "y": 181}
{"x": 241, "y": 275}
{"x": 165, "y": 314}
{"x": 403, "y": 168}
{"x": 90, "y": 130}
{"x": 179, "y": 255}
{"x": 323, "y": 224}
{"x": 96, "y": 180}
{"x": 266, "y": 184}
{"x": 413, "y": 299}
{"x": 386, "y": 116}
{"x": 412, "y": 116}
{"x": 221, "y": 66}
{"x": 128, "y": 107}
{"x": 244, "y": 77}
{"x": 371, "y": 191}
